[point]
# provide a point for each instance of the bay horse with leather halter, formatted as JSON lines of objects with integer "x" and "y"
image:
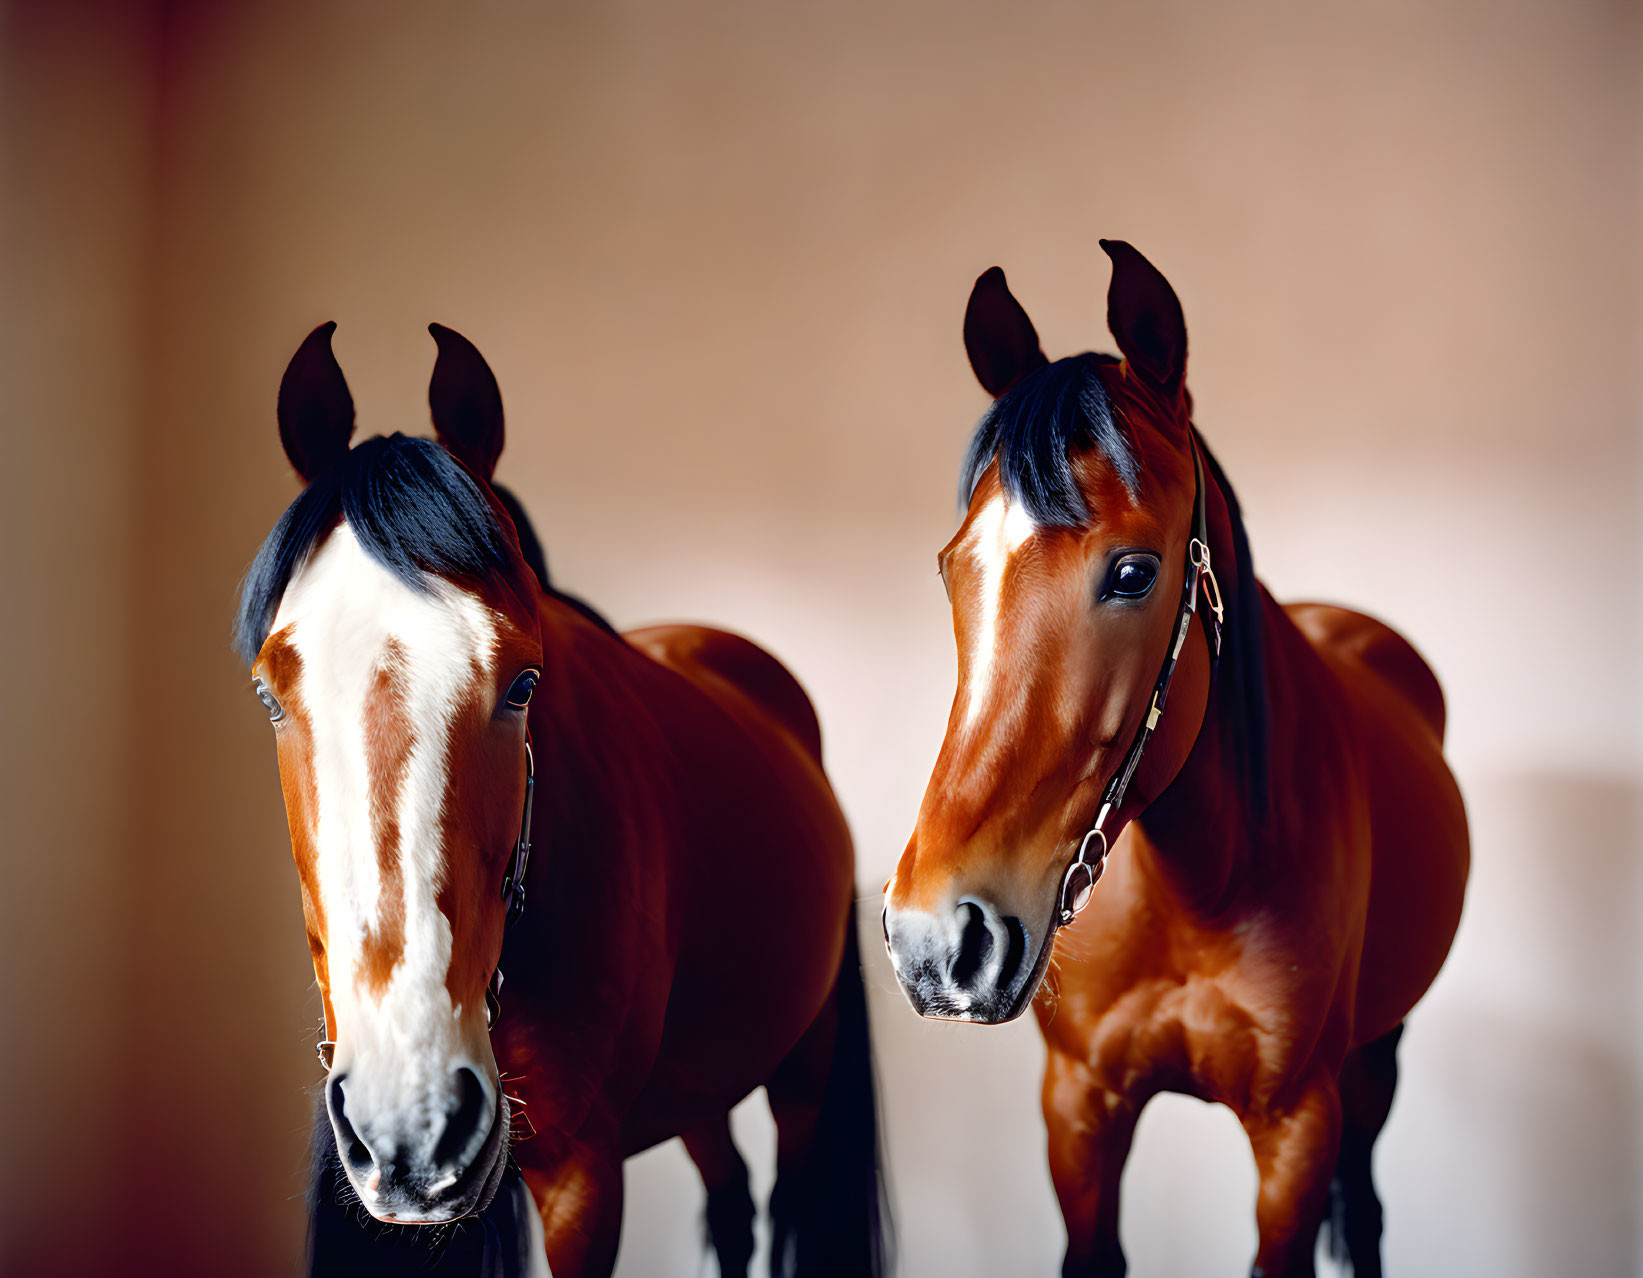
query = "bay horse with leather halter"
{"x": 1224, "y": 827}
{"x": 689, "y": 932}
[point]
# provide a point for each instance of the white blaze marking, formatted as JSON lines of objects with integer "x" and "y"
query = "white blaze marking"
{"x": 998, "y": 531}
{"x": 344, "y": 608}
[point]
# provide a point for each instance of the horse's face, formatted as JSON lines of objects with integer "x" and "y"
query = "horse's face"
{"x": 401, "y": 738}
{"x": 1061, "y": 627}
{"x": 399, "y": 706}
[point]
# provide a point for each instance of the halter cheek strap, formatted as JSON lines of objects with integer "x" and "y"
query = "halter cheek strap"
{"x": 513, "y": 883}
{"x": 513, "y": 886}
{"x": 1078, "y": 883}
{"x": 513, "y": 892}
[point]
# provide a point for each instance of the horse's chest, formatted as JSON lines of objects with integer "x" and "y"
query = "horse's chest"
{"x": 1225, "y": 1016}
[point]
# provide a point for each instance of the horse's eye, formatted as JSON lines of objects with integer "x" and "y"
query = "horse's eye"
{"x": 519, "y": 695}
{"x": 1133, "y": 577}
{"x": 276, "y": 711}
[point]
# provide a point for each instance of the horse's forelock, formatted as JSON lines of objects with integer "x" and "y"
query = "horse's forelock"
{"x": 414, "y": 508}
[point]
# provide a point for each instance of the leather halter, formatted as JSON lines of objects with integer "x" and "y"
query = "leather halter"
{"x": 513, "y": 892}
{"x": 1078, "y": 883}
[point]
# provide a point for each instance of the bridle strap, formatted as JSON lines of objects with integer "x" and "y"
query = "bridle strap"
{"x": 513, "y": 892}
{"x": 1078, "y": 883}
{"x": 513, "y": 885}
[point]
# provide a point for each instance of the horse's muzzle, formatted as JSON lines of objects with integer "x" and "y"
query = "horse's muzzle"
{"x": 968, "y": 963}
{"x": 425, "y": 1169}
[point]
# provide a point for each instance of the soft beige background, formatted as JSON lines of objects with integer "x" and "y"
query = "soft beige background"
{"x": 718, "y": 256}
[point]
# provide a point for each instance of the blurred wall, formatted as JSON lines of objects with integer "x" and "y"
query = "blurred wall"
{"x": 76, "y": 226}
{"x": 718, "y": 258}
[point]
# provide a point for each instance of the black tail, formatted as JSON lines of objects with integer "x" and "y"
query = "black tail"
{"x": 831, "y": 1216}
{"x": 1352, "y": 1225}
{"x": 343, "y": 1239}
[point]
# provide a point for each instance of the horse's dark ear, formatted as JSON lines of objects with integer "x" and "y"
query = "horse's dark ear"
{"x": 466, "y": 403}
{"x": 1001, "y": 340}
{"x": 316, "y": 412}
{"x": 1145, "y": 316}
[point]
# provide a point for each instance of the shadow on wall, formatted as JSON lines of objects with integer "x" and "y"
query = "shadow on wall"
{"x": 1519, "y": 1072}
{"x": 1548, "y": 1118}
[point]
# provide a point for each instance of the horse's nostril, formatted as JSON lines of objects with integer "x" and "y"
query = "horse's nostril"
{"x": 466, "y": 1121}
{"x": 352, "y": 1148}
{"x": 975, "y": 944}
{"x": 1015, "y": 950}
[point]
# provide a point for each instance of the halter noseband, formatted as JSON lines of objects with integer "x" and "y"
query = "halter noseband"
{"x": 1078, "y": 883}
{"x": 513, "y": 892}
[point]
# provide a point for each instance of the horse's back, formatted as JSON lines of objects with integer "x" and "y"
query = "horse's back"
{"x": 1419, "y": 844}
{"x": 705, "y": 656}
{"x": 768, "y": 764}
{"x": 1345, "y": 635}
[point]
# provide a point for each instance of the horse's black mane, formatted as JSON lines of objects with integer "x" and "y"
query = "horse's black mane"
{"x": 1243, "y": 655}
{"x": 414, "y": 509}
{"x": 1033, "y": 428}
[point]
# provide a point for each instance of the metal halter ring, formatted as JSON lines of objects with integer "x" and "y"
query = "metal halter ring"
{"x": 1075, "y": 895}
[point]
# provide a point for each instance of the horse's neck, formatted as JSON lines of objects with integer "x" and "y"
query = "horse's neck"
{"x": 1209, "y": 827}
{"x": 1202, "y": 828}
{"x": 595, "y": 929}
{"x": 1199, "y": 828}
{"x": 609, "y": 784}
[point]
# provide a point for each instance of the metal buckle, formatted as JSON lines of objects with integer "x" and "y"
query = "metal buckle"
{"x": 493, "y": 999}
{"x": 514, "y": 892}
{"x": 1198, "y": 552}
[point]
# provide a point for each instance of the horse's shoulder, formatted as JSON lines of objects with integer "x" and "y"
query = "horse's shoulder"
{"x": 1359, "y": 646}
{"x": 722, "y": 655}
